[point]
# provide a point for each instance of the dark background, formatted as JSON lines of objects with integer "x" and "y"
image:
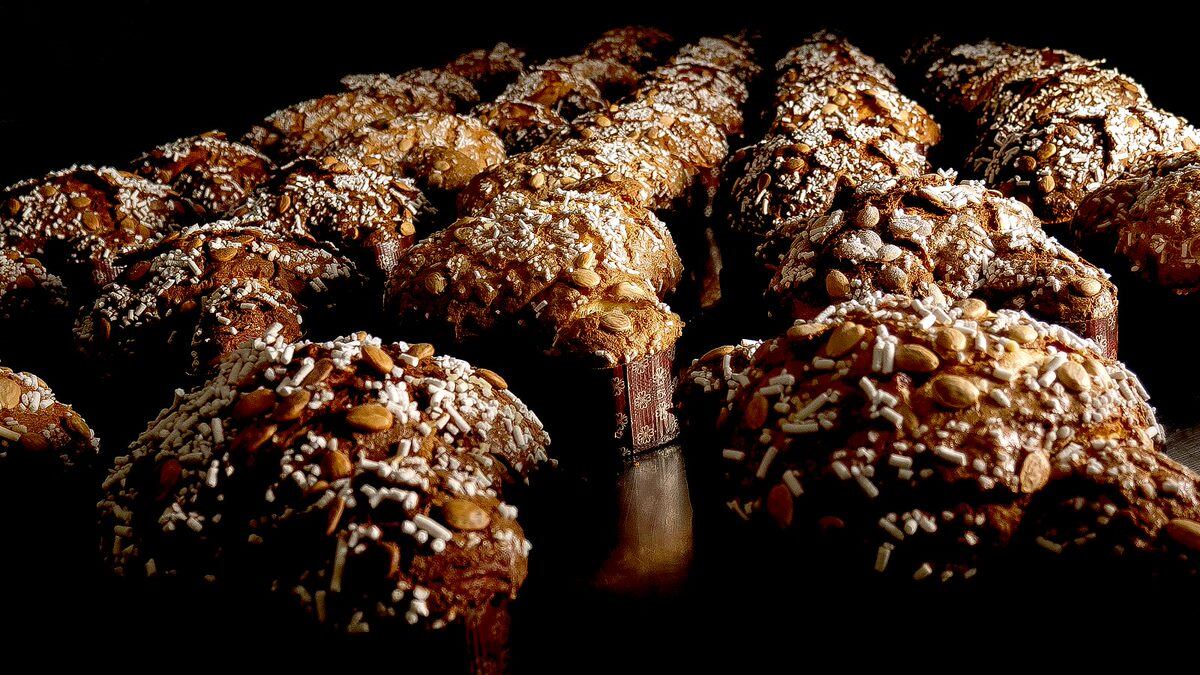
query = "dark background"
{"x": 102, "y": 82}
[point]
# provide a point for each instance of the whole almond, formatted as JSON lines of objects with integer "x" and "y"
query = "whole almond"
{"x": 616, "y": 322}
{"x": 421, "y": 350}
{"x": 377, "y": 359}
{"x": 337, "y": 465}
{"x": 844, "y": 338}
{"x": 1074, "y": 377}
{"x": 806, "y": 330}
{"x": 915, "y": 359}
{"x": 1185, "y": 532}
{"x": 779, "y": 505}
{"x": 462, "y": 514}
{"x": 950, "y": 339}
{"x": 292, "y": 406}
{"x": 972, "y": 308}
{"x": 491, "y": 378}
{"x": 627, "y": 291}
{"x": 837, "y": 285}
{"x": 953, "y": 391}
{"x": 1035, "y": 472}
{"x": 369, "y": 417}
{"x": 254, "y": 404}
{"x": 756, "y": 412}
{"x": 1022, "y": 334}
{"x": 585, "y": 278}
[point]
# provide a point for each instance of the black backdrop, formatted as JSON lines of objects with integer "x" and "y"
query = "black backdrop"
{"x": 102, "y": 82}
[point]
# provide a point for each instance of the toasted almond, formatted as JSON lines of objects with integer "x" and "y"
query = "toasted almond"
{"x": 1025, "y": 163}
{"x": 837, "y": 285}
{"x": 585, "y": 278}
{"x": 756, "y": 412}
{"x": 224, "y": 254}
{"x": 491, "y": 378}
{"x": 806, "y": 329}
{"x": 1086, "y": 286}
{"x": 1046, "y": 183}
{"x": 292, "y": 405}
{"x": 377, "y": 359}
{"x": 1046, "y": 151}
{"x": 716, "y": 353}
{"x": 254, "y": 404}
{"x": 1185, "y": 532}
{"x": 915, "y": 359}
{"x": 843, "y": 339}
{"x": 867, "y": 218}
{"x": 81, "y": 201}
{"x": 463, "y": 514}
{"x": 779, "y": 505}
{"x": 603, "y": 121}
{"x": 1035, "y": 472}
{"x": 285, "y": 203}
{"x": 369, "y": 417}
{"x": 10, "y": 393}
{"x": 407, "y": 228}
{"x": 320, "y": 371}
{"x": 91, "y": 221}
{"x": 337, "y": 465}
{"x": 616, "y": 322}
{"x": 421, "y": 350}
{"x": 972, "y": 308}
{"x": 1074, "y": 377}
{"x": 537, "y": 181}
{"x": 462, "y": 234}
{"x": 950, "y": 339}
{"x": 586, "y": 260}
{"x": 76, "y": 424}
{"x": 953, "y": 391}
{"x": 1022, "y": 333}
{"x": 627, "y": 291}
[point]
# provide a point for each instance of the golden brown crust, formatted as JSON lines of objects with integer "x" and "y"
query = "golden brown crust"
{"x": 967, "y": 76}
{"x": 1053, "y": 126}
{"x": 78, "y": 221}
{"x": 1052, "y": 166}
{"x": 1147, "y": 218}
{"x": 931, "y": 234}
{"x": 838, "y": 120}
{"x": 545, "y": 98}
{"x": 210, "y": 171}
{"x": 939, "y": 458}
{"x": 590, "y": 189}
{"x": 365, "y": 480}
{"x": 368, "y": 215}
{"x": 586, "y": 267}
{"x": 198, "y": 295}
{"x": 441, "y": 151}
{"x": 35, "y": 426}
